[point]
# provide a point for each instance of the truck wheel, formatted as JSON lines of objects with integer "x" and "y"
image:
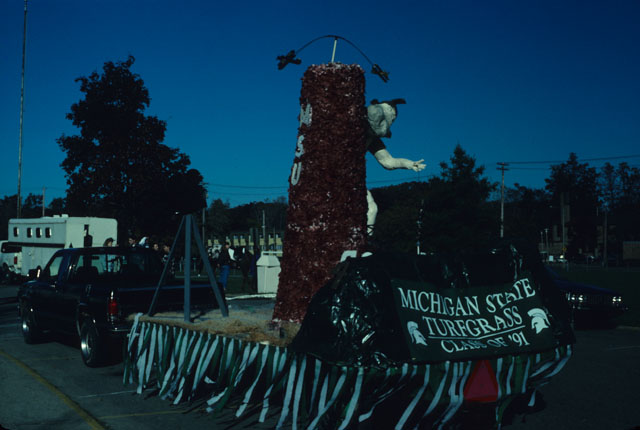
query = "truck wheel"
{"x": 30, "y": 331}
{"x": 91, "y": 346}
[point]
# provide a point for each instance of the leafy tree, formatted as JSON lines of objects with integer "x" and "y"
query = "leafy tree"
{"x": 527, "y": 212}
{"x": 575, "y": 184}
{"x": 609, "y": 187}
{"x": 245, "y": 217}
{"x": 399, "y": 207}
{"x": 117, "y": 166}
{"x": 456, "y": 213}
{"x": 446, "y": 214}
{"x": 627, "y": 208}
{"x": 31, "y": 208}
{"x": 217, "y": 219}
{"x": 222, "y": 221}
{"x": 629, "y": 178}
{"x": 8, "y": 209}
{"x": 56, "y": 207}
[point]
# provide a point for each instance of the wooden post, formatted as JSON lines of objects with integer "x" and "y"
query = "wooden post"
{"x": 327, "y": 187}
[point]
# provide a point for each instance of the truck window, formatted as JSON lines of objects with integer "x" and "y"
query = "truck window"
{"x": 139, "y": 267}
{"x": 7, "y": 248}
{"x": 88, "y": 268}
{"x": 51, "y": 271}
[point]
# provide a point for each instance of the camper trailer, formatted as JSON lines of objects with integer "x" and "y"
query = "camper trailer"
{"x": 40, "y": 238}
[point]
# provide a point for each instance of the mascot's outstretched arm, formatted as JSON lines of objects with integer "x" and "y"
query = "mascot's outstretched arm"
{"x": 388, "y": 162}
{"x": 380, "y": 116}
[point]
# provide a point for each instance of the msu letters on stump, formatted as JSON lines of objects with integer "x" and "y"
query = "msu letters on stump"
{"x": 327, "y": 187}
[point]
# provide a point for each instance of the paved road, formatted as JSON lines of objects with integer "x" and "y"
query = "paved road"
{"x": 46, "y": 386}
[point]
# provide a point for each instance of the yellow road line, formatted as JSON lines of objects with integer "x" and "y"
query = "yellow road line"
{"x": 68, "y": 357}
{"x": 92, "y": 422}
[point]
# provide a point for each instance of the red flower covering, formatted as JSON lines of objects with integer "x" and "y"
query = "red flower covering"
{"x": 327, "y": 188}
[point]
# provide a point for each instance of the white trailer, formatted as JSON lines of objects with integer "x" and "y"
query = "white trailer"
{"x": 40, "y": 238}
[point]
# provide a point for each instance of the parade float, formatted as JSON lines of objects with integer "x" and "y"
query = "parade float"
{"x": 360, "y": 338}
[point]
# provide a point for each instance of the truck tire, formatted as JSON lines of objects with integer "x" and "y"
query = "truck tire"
{"x": 30, "y": 331}
{"x": 91, "y": 345}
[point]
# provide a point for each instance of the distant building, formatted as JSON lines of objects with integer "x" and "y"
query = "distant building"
{"x": 272, "y": 242}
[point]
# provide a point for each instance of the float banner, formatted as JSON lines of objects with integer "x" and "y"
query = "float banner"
{"x": 464, "y": 323}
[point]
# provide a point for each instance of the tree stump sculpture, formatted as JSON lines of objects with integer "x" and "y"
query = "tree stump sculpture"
{"x": 327, "y": 187}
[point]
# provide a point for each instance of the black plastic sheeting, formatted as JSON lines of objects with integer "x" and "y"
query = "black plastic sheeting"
{"x": 353, "y": 319}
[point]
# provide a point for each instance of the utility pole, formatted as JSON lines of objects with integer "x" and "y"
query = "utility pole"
{"x": 503, "y": 168}
{"x": 546, "y": 240}
{"x": 43, "y": 188}
{"x": 24, "y": 51}
{"x": 605, "y": 238}
{"x": 563, "y": 221}
{"x": 264, "y": 232}
{"x": 204, "y": 209}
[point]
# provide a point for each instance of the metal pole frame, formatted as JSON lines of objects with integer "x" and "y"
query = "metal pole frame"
{"x": 188, "y": 231}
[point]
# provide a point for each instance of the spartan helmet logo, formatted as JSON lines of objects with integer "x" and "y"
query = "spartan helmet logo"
{"x": 416, "y": 336}
{"x": 539, "y": 320}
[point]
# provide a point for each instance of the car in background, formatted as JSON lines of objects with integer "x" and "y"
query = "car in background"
{"x": 91, "y": 293}
{"x": 10, "y": 261}
{"x": 589, "y": 303}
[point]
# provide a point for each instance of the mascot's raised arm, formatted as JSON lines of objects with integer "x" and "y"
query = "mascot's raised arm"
{"x": 380, "y": 116}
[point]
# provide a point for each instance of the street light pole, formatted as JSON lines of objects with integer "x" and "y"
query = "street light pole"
{"x": 24, "y": 50}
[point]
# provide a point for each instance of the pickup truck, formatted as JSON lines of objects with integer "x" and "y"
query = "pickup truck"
{"x": 90, "y": 292}
{"x": 10, "y": 261}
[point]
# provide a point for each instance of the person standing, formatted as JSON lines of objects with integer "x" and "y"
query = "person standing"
{"x": 225, "y": 262}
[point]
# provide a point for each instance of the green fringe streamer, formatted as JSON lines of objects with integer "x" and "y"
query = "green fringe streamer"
{"x": 254, "y": 378}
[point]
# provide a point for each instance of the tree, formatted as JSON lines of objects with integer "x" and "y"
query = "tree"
{"x": 31, "y": 208}
{"x": 217, "y": 219}
{"x": 446, "y": 214}
{"x": 622, "y": 194}
{"x": 56, "y": 207}
{"x": 574, "y": 184}
{"x": 456, "y": 213}
{"x": 527, "y": 212}
{"x": 609, "y": 187}
{"x": 399, "y": 208}
{"x": 117, "y": 166}
{"x": 8, "y": 206}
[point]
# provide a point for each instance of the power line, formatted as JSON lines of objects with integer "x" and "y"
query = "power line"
{"x": 222, "y": 193}
{"x": 251, "y": 187}
{"x": 247, "y": 187}
{"x": 581, "y": 159}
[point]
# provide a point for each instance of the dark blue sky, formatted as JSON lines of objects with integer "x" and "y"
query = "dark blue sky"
{"x": 508, "y": 80}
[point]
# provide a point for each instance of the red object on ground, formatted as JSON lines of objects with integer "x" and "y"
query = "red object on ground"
{"x": 482, "y": 386}
{"x": 327, "y": 211}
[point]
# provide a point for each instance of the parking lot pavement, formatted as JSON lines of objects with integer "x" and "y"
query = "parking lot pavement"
{"x": 37, "y": 402}
{"x": 8, "y": 293}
